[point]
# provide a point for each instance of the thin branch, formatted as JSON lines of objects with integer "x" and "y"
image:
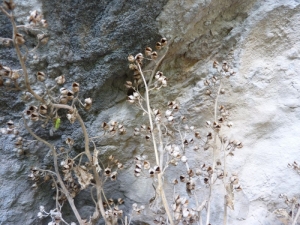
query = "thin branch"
{"x": 60, "y": 181}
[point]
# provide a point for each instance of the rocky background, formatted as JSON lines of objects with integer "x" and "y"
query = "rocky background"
{"x": 89, "y": 43}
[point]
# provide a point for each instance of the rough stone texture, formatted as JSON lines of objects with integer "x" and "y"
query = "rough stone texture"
{"x": 90, "y": 42}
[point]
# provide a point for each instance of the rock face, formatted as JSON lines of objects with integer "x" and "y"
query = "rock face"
{"x": 89, "y": 43}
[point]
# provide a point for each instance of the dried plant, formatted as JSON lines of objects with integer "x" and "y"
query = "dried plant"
{"x": 71, "y": 174}
{"x": 287, "y": 215}
{"x": 172, "y": 137}
{"x": 167, "y": 130}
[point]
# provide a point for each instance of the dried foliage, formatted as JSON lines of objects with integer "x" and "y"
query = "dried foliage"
{"x": 167, "y": 129}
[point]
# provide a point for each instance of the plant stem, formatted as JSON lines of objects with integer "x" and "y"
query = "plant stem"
{"x": 296, "y": 217}
{"x": 214, "y": 158}
{"x": 159, "y": 158}
{"x": 60, "y": 181}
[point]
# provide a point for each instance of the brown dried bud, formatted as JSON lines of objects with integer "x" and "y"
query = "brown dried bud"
{"x": 163, "y": 41}
{"x": 19, "y": 40}
{"x": 35, "y": 17}
{"x": 44, "y": 23}
{"x": 154, "y": 55}
{"x": 41, "y": 76}
{"x": 158, "y": 45}
{"x": 75, "y": 87}
{"x": 88, "y": 103}
{"x": 131, "y": 58}
{"x": 14, "y": 75}
{"x": 70, "y": 95}
{"x": 60, "y": 80}
{"x": 5, "y": 71}
{"x": 63, "y": 99}
{"x": 148, "y": 51}
{"x": 10, "y": 5}
{"x": 132, "y": 66}
{"x": 34, "y": 116}
{"x": 43, "y": 109}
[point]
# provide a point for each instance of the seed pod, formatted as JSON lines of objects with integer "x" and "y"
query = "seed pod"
{"x": 131, "y": 58}
{"x": 75, "y": 87}
{"x": 34, "y": 116}
{"x": 10, "y": 5}
{"x": 63, "y": 99}
{"x": 158, "y": 45}
{"x": 60, "y": 80}
{"x": 163, "y": 41}
{"x": 154, "y": 55}
{"x": 107, "y": 171}
{"x": 132, "y": 66}
{"x": 10, "y": 124}
{"x": 19, "y": 40}
{"x": 44, "y": 23}
{"x": 70, "y": 95}
{"x": 15, "y": 75}
{"x": 148, "y": 51}
{"x": 43, "y": 109}
{"x": 88, "y": 103}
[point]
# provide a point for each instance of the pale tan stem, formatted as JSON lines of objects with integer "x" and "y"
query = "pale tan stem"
{"x": 159, "y": 160}
{"x": 21, "y": 59}
{"x": 214, "y": 159}
{"x": 149, "y": 114}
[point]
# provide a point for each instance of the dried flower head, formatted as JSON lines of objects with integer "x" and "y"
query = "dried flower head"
{"x": 131, "y": 59}
{"x": 60, "y": 80}
{"x": 75, "y": 87}
{"x": 87, "y": 103}
{"x": 163, "y": 41}
{"x": 41, "y": 76}
{"x": 158, "y": 45}
{"x": 10, "y": 5}
{"x": 19, "y": 40}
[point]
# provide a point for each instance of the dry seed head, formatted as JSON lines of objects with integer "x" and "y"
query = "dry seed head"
{"x": 19, "y": 40}
{"x": 35, "y": 17}
{"x": 184, "y": 159}
{"x": 163, "y": 41}
{"x": 151, "y": 172}
{"x": 139, "y": 57}
{"x": 88, "y": 103}
{"x": 34, "y": 116}
{"x": 71, "y": 117}
{"x": 69, "y": 141}
{"x": 133, "y": 66}
{"x": 10, "y": 124}
{"x": 63, "y": 99}
{"x": 10, "y": 5}
{"x": 60, "y": 80}
{"x": 131, "y": 58}
{"x": 14, "y": 75}
{"x": 146, "y": 165}
{"x": 5, "y": 71}
{"x": 148, "y": 51}
{"x": 107, "y": 171}
{"x": 70, "y": 95}
{"x": 43, "y": 109}
{"x": 215, "y": 64}
{"x": 44, "y": 23}
{"x": 154, "y": 55}
{"x": 63, "y": 91}
{"x": 113, "y": 176}
{"x": 41, "y": 76}
{"x": 158, "y": 45}
{"x": 75, "y": 87}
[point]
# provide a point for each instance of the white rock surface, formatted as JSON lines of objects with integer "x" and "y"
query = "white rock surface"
{"x": 262, "y": 44}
